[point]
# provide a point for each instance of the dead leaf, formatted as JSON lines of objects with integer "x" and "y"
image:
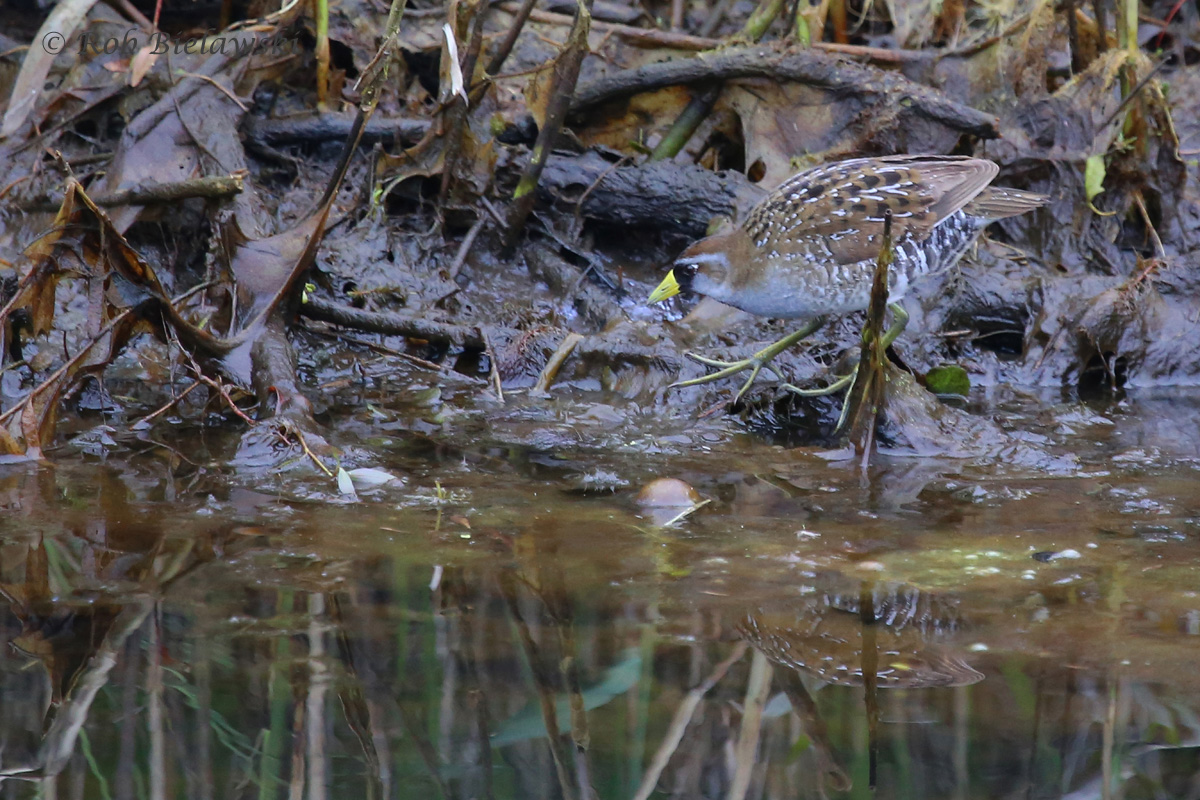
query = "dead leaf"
{"x": 142, "y": 63}
{"x": 53, "y": 37}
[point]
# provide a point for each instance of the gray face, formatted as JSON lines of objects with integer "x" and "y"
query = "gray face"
{"x": 702, "y": 273}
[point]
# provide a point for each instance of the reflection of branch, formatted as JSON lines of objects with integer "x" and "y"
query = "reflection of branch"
{"x": 542, "y": 683}
{"x": 475, "y": 689}
{"x": 679, "y": 723}
{"x": 154, "y": 711}
{"x": 394, "y": 707}
{"x": 579, "y": 724}
{"x": 757, "y": 689}
{"x": 363, "y": 723}
{"x": 805, "y": 708}
{"x": 319, "y": 679}
{"x": 59, "y": 742}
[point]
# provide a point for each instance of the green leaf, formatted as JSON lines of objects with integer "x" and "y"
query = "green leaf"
{"x": 1093, "y": 177}
{"x": 1093, "y": 182}
{"x": 948, "y": 379}
{"x": 528, "y": 723}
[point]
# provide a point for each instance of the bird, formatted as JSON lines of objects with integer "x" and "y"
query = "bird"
{"x": 809, "y": 248}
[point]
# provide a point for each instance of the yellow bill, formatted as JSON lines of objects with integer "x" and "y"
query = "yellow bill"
{"x": 668, "y": 288}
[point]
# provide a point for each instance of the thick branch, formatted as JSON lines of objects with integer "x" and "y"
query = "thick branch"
{"x": 808, "y": 66}
{"x": 322, "y": 127}
{"x": 665, "y": 195}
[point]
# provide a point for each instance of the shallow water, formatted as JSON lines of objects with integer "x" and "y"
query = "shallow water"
{"x": 937, "y": 628}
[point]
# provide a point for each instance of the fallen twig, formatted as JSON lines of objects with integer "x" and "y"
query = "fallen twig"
{"x": 215, "y": 385}
{"x": 464, "y": 249}
{"x": 652, "y": 37}
{"x": 561, "y": 354}
{"x": 167, "y": 406}
{"x": 393, "y": 324}
{"x": 213, "y": 187}
{"x": 472, "y": 337}
{"x": 493, "y": 369}
{"x": 510, "y": 38}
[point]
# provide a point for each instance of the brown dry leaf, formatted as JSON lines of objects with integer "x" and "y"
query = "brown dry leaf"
{"x": 1028, "y": 68}
{"x": 638, "y": 120}
{"x": 789, "y": 125}
{"x": 539, "y": 91}
{"x": 912, "y": 19}
{"x": 47, "y": 254}
{"x": 158, "y": 146}
{"x": 266, "y": 272}
{"x": 29, "y": 425}
{"x": 425, "y": 158}
{"x": 477, "y": 157}
{"x": 62, "y": 22}
{"x": 82, "y": 234}
{"x": 135, "y": 302}
{"x": 142, "y": 63}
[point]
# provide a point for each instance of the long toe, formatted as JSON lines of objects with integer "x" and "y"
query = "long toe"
{"x": 710, "y": 362}
{"x": 836, "y": 386}
{"x": 730, "y": 369}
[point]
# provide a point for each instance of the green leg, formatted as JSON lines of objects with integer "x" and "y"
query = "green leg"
{"x": 853, "y": 376}
{"x": 899, "y": 322}
{"x": 754, "y": 363}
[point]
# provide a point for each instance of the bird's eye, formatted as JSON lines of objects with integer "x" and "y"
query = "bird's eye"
{"x": 685, "y": 271}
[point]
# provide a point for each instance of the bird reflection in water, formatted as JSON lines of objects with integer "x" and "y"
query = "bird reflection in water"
{"x": 884, "y": 636}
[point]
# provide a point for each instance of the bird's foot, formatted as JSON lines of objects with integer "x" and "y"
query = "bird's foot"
{"x": 899, "y": 323}
{"x": 754, "y": 363}
{"x": 836, "y": 386}
{"x": 844, "y": 382}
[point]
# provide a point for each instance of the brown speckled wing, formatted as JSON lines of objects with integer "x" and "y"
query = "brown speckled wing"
{"x": 834, "y": 213}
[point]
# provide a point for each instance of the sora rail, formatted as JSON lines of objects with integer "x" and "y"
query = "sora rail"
{"x": 809, "y": 248}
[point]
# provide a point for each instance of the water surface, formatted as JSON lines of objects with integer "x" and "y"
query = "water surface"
{"x": 507, "y": 622}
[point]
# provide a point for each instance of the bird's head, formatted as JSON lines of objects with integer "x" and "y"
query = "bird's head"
{"x": 702, "y": 269}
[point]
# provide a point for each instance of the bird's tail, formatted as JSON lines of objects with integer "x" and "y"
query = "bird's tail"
{"x": 997, "y": 203}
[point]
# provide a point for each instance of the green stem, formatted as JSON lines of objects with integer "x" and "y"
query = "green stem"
{"x": 761, "y": 19}
{"x": 686, "y": 123}
{"x": 566, "y": 75}
{"x": 322, "y": 53}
